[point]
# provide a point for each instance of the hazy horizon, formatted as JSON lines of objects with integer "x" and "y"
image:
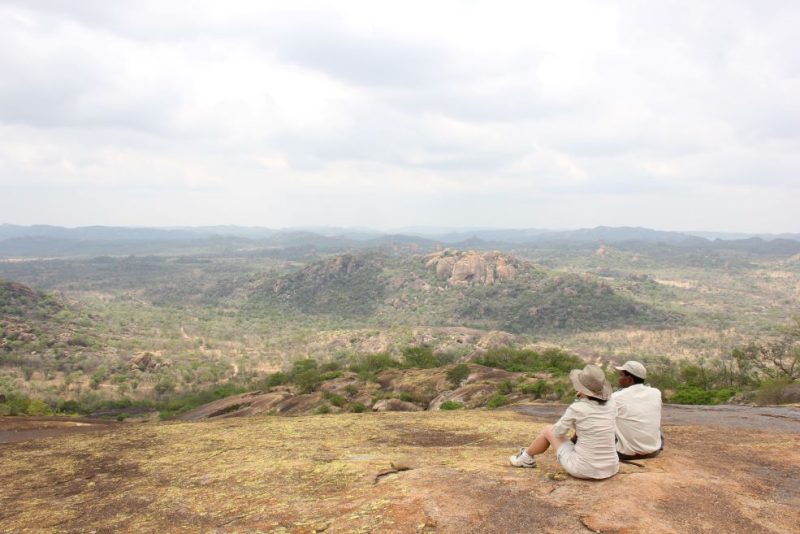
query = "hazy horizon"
{"x": 412, "y": 230}
{"x": 674, "y": 116}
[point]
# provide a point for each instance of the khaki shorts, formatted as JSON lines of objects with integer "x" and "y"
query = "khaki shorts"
{"x": 573, "y": 465}
{"x": 566, "y": 457}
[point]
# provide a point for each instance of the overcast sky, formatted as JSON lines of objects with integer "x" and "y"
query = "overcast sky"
{"x": 670, "y": 115}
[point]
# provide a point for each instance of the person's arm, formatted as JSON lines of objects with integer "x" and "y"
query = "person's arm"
{"x": 566, "y": 423}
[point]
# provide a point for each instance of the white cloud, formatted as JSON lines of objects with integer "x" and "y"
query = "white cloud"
{"x": 492, "y": 113}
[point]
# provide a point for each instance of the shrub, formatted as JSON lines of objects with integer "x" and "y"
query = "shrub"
{"x": 554, "y": 361}
{"x": 451, "y": 405}
{"x": 351, "y": 390}
{"x": 357, "y": 407}
{"x": 164, "y": 386}
{"x": 776, "y": 391}
{"x": 697, "y": 395}
{"x": 367, "y": 366}
{"x": 458, "y": 374}
{"x": 330, "y": 367}
{"x": 276, "y": 379}
{"x": 537, "y": 390}
{"x": 419, "y": 357}
{"x": 307, "y": 381}
{"x": 306, "y": 375}
{"x": 22, "y": 405}
{"x": 323, "y": 410}
{"x": 505, "y": 387}
{"x": 497, "y": 401}
{"x": 409, "y": 396}
{"x": 336, "y": 400}
{"x": 38, "y": 407}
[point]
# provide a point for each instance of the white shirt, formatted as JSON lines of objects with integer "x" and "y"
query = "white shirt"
{"x": 638, "y": 419}
{"x": 595, "y": 455}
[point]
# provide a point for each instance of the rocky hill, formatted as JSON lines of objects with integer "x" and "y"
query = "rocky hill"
{"x": 393, "y": 390}
{"x": 487, "y": 290}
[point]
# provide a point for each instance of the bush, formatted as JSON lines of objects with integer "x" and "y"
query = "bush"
{"x": 419, "y": 357}
{"x": 330, "y": 375}
{"x": 323, "y": 410}
{"x": 357, "y": 407}
{"x": 38, "y": 407}
{"x": 451, "y": 405}
{"x": 554, "y": 361}
{"x": 458, "y": 374}
{"x": 164, "y": 386}
{"x": 697, "y": 395}
{"x": 367, "y": 366}
{"x": 22, "y": 405}
{"x": 497, "y": 401}
{"x": 305, "y": 375}
{"x": 537, "y": 390}
{"x": 276, "y": 379}
{"x": 409, "y": 396}
{"x": 777, "y": 391}
{"x": 336, "y": 400}
{"x": 505, "y": 387}
{"x": 307, "y": 381}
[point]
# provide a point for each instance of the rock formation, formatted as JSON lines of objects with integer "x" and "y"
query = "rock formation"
{"x": 470, "y": 267}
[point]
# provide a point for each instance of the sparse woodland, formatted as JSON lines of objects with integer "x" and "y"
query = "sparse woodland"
{"x": 127, "y": 335}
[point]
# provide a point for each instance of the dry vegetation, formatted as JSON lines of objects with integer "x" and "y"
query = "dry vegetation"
{"x": 389, "y": 472}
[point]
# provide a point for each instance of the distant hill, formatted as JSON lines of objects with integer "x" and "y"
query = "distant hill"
{"x": 53, "y": 241}
{"x": 483, "y": 290}
{"x": 18, "y": 301}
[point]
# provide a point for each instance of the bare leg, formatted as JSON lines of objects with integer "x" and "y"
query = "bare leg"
{"x": 544, "y": 440}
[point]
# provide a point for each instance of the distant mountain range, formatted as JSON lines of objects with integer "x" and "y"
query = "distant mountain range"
{"x": 56, "y": 241}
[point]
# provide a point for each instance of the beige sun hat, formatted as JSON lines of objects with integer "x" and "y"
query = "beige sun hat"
{"x": 635, "y": 368}
{"x": 591, "y": 381}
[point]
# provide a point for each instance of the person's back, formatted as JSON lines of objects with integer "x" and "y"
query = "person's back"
{"x": 595, "y": 455}
{"x": 638, "y": 409}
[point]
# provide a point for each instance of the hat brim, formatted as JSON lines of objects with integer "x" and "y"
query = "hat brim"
{"x": 580, "y": 388}
{"x": 632, "y": 373}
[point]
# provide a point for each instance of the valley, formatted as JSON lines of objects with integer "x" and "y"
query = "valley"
{"x": 142, "y": 329}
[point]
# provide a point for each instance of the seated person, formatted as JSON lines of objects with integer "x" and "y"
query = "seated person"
{"x": 594, "y": 456}
{"x": 638, "y": 408}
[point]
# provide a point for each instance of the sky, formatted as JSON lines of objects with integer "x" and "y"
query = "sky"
{"x": 678, "y": 115}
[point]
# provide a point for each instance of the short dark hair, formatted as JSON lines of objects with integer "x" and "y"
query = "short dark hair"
{"x": 636, "y": 379}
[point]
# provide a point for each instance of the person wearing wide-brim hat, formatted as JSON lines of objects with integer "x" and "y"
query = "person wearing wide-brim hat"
{"x": 590, "y": 416}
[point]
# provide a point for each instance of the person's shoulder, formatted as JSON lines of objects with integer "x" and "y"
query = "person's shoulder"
{"x": 579, "y": 405}
{"x": 622, "y": 393}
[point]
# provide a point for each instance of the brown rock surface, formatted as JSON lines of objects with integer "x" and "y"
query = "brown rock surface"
{"x": 388, "y": 472}
{"x": 395, "y": 405}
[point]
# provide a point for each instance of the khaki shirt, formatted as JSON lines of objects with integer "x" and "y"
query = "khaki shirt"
{"x": 594, "y": 455}
{"x": 638, "y": 419}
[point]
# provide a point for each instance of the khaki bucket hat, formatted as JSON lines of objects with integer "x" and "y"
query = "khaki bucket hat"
{"x": 591, "y": 381}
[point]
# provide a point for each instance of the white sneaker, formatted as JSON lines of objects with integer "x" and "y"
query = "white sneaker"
{"x": 522, "y": 459}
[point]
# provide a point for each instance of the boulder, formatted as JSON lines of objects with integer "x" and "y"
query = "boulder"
{"x": 471, "y": 267}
